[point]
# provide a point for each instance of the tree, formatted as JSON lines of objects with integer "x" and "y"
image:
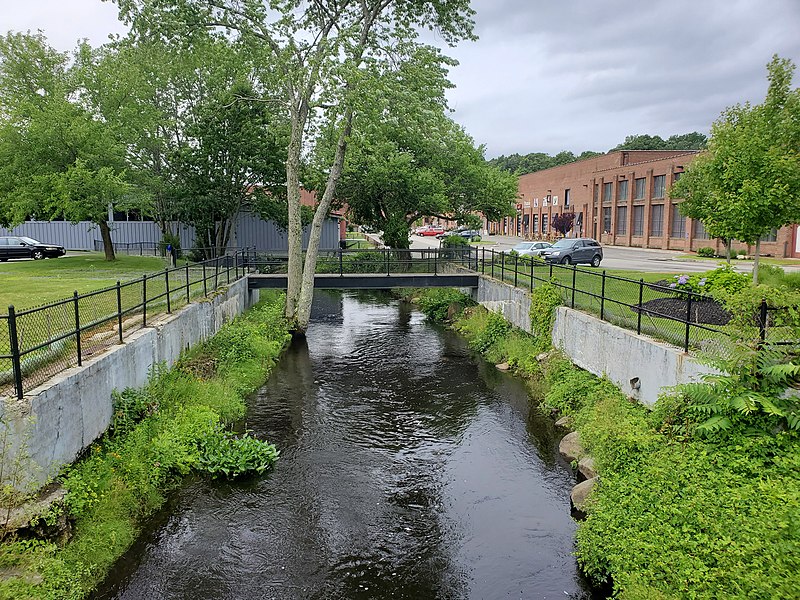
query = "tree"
{"x": 236, "y": 160}
{"x": 748, "y": 183}
{"x": 58, "y": 157}
{"x": 686, "y": 141}
{"x": 318, "y": 48}
{"x": 563, "y": 223}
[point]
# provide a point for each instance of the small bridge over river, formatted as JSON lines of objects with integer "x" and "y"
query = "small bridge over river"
{"x": 376, "y": 269}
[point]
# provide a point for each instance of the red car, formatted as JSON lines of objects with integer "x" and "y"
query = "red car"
{"x": 431, "y": 230}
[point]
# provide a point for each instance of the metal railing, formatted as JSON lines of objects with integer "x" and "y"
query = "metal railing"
{"x": 681, "y": 317}
{"x": 38, "y": 343}
{"x": 376, "y": 261}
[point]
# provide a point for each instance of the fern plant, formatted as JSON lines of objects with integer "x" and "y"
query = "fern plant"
{"x": 752, "y": 388}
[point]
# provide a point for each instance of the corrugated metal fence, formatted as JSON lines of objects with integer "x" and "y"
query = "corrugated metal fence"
{"x": 250, "y": 231}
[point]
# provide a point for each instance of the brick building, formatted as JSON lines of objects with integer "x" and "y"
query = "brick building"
{"x": 621, "y": 198}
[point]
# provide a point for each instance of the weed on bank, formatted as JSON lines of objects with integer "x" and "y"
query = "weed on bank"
{"x": 175, "y": 426}
{"x": 697, "y": 498}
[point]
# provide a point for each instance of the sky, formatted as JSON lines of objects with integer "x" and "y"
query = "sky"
{"x": 552, "y": 75}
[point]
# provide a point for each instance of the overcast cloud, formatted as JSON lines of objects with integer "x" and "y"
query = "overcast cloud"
{"x": 551, "y": 75}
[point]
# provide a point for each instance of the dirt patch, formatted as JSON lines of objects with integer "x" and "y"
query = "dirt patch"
{"x": 708, "y": 312}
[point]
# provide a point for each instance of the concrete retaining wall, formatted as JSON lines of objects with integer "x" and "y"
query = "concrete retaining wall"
{"x": 58, "y": 420}
{"x": 640, "y": 366}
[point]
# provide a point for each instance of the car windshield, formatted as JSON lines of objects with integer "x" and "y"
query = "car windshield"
{"x": 523, "y": 246}
{"x": 563, "y": 243}
{"x": 28, "y": 240}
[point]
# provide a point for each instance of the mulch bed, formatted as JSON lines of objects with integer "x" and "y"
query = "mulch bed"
{"x": 708, "y": 312}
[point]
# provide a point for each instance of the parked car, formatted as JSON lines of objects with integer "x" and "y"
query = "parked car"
{"x": 531, "y": 248}
{"x": 430, "y": 230}
{"x": 573, "y": 251}
{"x": 25, "y": 247}
{"x": 472, "y": 235}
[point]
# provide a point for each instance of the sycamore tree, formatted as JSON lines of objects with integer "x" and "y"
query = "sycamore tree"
{"x": 318, "y": 49}
{"x": 748, "y": 183}
{"x": 58, "y": 156}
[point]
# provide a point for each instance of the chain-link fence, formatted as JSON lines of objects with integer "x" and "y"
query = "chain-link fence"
{"x": 38, "y": 343}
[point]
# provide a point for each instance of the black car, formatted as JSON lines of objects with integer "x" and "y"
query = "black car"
{"x": 25, "y": 247}
{"x": 573, "y": 251}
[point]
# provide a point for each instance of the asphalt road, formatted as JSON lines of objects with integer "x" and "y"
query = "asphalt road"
{"x": 617, "y": 257}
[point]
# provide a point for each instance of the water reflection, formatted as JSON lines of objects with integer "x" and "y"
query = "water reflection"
{"x": 408, "y": 469}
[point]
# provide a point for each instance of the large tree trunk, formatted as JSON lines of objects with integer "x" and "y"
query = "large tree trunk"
{"x": 108, "y": 245}
{"x": 295, "y": 233}
{"x": 756, "y": 261}
{"x": 310, "y": 267}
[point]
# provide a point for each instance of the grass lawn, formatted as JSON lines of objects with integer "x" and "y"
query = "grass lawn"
{"x": 30, "y": 283}
{"x": 764, "y": 260}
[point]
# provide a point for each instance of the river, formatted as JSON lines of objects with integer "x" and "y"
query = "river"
{"x": 409, "y": 469}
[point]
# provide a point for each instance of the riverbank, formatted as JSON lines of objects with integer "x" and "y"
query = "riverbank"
{"x": 173, "y": 427}
{"x": 675, "y": 513}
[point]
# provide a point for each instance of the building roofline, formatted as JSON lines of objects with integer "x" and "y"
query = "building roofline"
{"x": 610, "y": 152}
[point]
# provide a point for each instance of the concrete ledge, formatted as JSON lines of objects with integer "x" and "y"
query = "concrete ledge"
{"x": 55, "y": 422}
{"x": 640, "y": 366}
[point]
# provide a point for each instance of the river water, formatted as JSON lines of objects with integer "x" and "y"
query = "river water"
{"x": 409, "y": 469}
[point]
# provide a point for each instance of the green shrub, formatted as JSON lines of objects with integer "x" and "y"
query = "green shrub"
{"x": 496, "y": 328}
{"x": 723, "y": 281}
{"x": 706, "y": 252}
{"x": 441, "y": 304}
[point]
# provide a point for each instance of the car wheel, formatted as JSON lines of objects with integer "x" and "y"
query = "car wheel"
{"x": 566, "y": 260}
{"x": 38, "y": 255}
{"x": 596, "y": 260}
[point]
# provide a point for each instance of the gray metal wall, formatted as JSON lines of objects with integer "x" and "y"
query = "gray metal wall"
{"x": 250, "y": 231}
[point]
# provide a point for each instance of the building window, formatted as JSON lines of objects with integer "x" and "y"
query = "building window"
{"x": 678, "y": 223}
{"x": 772, "y": 236}
{"x": 607, "y": 219}
{"x": 622, "y": 220}
{"x": 596, "y": 191}
{"x": 535, "y": 228}
{"x": 657, "y": 220}
{"x": 639, "y": 188}
{"x": 659, "y": 186}
{"x": 607, "y": 193}
{"x": 698, "y": 230}
{"x": 676, "y": 176}
{"x": 622, "y": 190}
{"x": 638, "y": 220}
{"x": 566, "y": 198}
{"x": 544, "y": 224}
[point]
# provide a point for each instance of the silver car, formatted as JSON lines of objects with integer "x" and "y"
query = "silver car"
{"x": 531, "y": 248}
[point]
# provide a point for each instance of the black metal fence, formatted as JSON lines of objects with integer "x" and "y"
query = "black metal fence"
{"x": 377, "y": 261}
{"x": 37, "y": 343}
{"x": 681, "y": 317}
{"x": 160, "y": 249}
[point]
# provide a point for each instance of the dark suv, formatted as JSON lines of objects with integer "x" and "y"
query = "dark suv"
{"x": 573, "y": 251}
{"x": 25, "y": 247}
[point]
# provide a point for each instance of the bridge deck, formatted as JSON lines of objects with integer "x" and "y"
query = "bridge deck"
{"x": 369, "y": 281}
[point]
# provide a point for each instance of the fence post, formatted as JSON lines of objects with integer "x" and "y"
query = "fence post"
{"x": 205, "y": 283}
{"x": 532, "y": 273}
{"x": 492, "y": 253}
{"x": 602, "y": 297}
{"x": 639, "y": 318}
{"x": 762, "y": 322}
{"x": 235, "y": 265}
{"x": 144, "y": 300}
{"x": 77, "y": 326}
{"x": 516, "y": 264}
{"x": 688, "y": 320}
{"x": 216, "y": 273}
{"x": 166, "y": 280}
{"x": 388, "y": 271}
{"x": 16, "y": 361}
{"x": 502, "y": 265}
{"x": 119, "y": 310}
{"x": 551, "y": 271}
{"x": 188, "y": 294}
{"x": 574, "y": 274}
{"x": 227, "y": 270}
{"x": 435, "y": 262}
{"x": 341, "y": 264}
